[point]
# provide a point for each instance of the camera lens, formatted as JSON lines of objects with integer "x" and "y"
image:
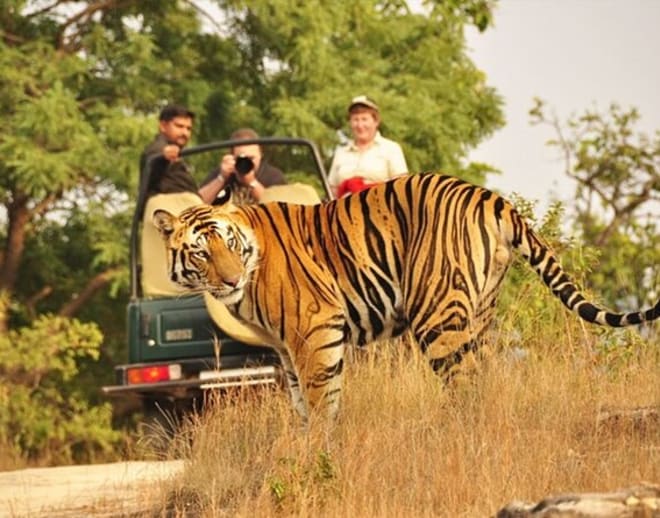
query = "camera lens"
{"x": 244, "y": 164}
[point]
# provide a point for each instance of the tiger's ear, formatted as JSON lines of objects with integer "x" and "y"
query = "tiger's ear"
{"x": 164, "y": 222}
{"x": 223, "y": 203}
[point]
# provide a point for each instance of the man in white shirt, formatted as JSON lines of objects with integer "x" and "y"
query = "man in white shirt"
{"x": 367, "y": 159}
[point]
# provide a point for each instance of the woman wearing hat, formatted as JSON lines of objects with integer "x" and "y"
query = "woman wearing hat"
{"x": 367, "y": 159}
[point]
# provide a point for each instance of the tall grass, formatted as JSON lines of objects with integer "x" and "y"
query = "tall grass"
{"x": 404, "y": 445}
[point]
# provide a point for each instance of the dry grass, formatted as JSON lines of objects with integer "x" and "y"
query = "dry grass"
{"x": 406, "y": 446}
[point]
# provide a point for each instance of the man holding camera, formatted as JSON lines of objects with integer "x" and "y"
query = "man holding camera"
{"x": 243, "y": 172}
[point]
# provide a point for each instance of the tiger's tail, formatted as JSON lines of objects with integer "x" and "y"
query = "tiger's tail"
{"x": 547, "y": 266}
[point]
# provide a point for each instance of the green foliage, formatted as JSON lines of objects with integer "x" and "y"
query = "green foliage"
{"x": 75, "y": 90}
{"x": 530, "y": 317}
{"x": 526, "y": 308}
{"x": 293, "y": 476}
{"x": 302, "y": 64}
{"x": 41, "y": 410}
{"x": 617, "y": 170}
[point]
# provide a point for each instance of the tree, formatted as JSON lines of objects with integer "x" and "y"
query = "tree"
{"x": 74, "y": 100}
{"x": 40, "y": 410}
{"x": 617, "y": 170}
{"x": 301, "y": 63}
{"x": 76, "y": 82}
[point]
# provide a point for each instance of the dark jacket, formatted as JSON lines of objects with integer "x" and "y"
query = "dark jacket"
{"x": 164, "y": 177}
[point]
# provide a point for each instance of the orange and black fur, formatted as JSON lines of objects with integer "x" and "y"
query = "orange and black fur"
{"x": 425, "y": 252}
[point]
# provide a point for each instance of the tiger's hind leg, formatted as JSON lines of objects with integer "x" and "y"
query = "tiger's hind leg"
{"x": 453, "y": 351}
{"x": 450, "y": 353}
{"x": 451, "y": 334}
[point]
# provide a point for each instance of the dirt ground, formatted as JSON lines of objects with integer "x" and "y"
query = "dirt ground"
{"x": 99, "y": 490}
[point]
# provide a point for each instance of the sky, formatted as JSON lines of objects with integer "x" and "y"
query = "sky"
{"x": 574, "y": 54}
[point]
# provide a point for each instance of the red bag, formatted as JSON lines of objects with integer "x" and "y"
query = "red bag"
{"x": 352, "y": 185}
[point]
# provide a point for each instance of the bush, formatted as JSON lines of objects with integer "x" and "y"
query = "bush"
{"x": 44, "y": 416}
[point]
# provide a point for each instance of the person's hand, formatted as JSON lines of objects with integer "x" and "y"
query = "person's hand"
{"x": 171, "y": 152}
{"x": 227, "y": 166}
{"x": 255, "y": 186}
{"x": 248, "y": 178}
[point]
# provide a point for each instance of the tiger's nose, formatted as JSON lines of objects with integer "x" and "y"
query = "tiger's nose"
{"x": 231, "y": 281}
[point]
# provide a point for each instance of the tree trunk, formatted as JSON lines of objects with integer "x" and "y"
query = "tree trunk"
{"x": 93, "y": 286}
{"x": 19, "y": 216}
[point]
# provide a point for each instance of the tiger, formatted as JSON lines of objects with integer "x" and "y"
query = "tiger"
{"x": 425, "y": 253}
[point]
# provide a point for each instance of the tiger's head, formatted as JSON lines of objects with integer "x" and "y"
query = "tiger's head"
{"x": 207, "y": 251}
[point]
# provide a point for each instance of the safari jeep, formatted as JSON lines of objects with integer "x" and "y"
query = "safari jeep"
{"x": 177, "y": 352}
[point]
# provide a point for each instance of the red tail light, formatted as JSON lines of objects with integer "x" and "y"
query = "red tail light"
{"x": 153, "y": 374}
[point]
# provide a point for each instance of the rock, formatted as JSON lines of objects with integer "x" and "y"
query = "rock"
{"x": 636, "y": 502}
{"x": 640, "y": 420}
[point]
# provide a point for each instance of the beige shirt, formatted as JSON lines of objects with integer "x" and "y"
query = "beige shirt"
{"x": 379, "y": 162}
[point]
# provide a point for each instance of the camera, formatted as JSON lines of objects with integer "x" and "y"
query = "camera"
{"x": 244, "y": 164}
